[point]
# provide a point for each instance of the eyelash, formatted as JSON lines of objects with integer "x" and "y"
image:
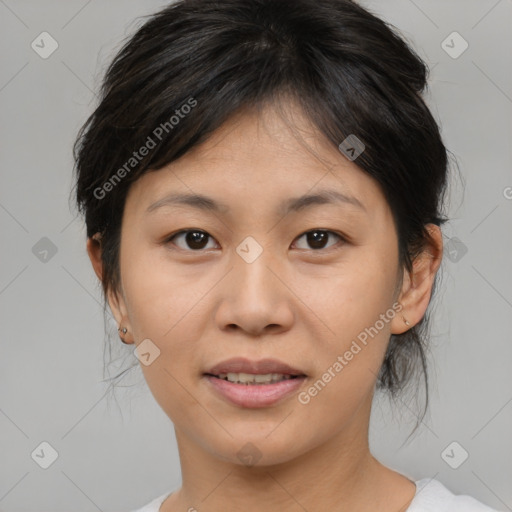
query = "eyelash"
{"x": 316, "y": 230}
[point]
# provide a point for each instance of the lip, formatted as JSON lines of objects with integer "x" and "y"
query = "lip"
{"x": 261, "y": 367}
{"x": 255, "y": 395}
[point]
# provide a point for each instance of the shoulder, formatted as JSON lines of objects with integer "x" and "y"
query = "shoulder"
{"x": 154, "y": 505}
{"x": 433, "y": 496}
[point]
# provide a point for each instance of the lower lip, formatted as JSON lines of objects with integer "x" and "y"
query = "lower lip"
{"x": 255, "y": 395}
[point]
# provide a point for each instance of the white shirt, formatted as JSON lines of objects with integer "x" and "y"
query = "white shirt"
{"x": 431, "y": 496}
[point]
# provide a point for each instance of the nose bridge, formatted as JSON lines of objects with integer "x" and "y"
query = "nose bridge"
{"x": 253, "y": 297}
{"x": 251, "y": 270}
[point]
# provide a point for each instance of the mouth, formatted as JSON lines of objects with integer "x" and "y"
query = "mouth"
{"x": 250, "y": 379}
{"x": 252, "y": 394}
{"x": 253, "y": 384}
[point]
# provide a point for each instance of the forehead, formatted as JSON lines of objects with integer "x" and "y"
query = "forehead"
{"x": 261, "y": 156}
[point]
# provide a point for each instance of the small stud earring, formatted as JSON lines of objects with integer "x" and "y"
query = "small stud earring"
{"x": 405, "y": 320}
{"x": 124, "y": 330}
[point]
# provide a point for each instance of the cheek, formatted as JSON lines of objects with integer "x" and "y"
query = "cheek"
{"x": 354, "y": 295}
{"x": 165, "y": 305}
{"x": 161, "y": 295}
{"x": 356, "y": 305}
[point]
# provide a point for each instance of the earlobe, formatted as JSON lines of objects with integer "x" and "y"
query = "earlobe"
{"x": 417, "y": 286}
{"x": 118, "y": 309}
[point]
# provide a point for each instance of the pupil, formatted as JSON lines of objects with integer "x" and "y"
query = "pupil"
{"x": 317, "y": 239}
{"x": 194, "y": 239}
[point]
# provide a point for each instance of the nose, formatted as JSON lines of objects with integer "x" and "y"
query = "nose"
{"x": 255, "y": 297}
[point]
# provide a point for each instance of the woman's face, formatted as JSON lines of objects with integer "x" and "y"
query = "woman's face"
{"x": 253, "y": 284}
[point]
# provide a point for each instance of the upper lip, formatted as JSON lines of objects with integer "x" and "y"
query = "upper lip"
{"x": 261, "y": 367}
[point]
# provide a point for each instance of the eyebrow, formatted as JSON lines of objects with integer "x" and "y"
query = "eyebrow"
{"x": 296, "y": 204}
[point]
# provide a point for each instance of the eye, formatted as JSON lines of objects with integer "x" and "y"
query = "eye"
{"x": 194, "y": 238}
{"x": 317, "y": 238}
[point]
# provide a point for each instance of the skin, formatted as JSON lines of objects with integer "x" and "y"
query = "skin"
{"x": 297, "y": 303}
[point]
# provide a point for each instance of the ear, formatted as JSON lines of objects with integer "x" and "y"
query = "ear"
{"x": 115, "y": 300}
{"x": 417, "y": 285}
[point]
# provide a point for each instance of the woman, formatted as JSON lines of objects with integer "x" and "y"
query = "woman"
{"x": 262, "y": 186}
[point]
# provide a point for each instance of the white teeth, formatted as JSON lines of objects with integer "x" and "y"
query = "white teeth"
{"x": 249, "y": 378}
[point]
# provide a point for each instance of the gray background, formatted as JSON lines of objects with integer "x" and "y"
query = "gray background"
{"x": 116, "y": 454}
